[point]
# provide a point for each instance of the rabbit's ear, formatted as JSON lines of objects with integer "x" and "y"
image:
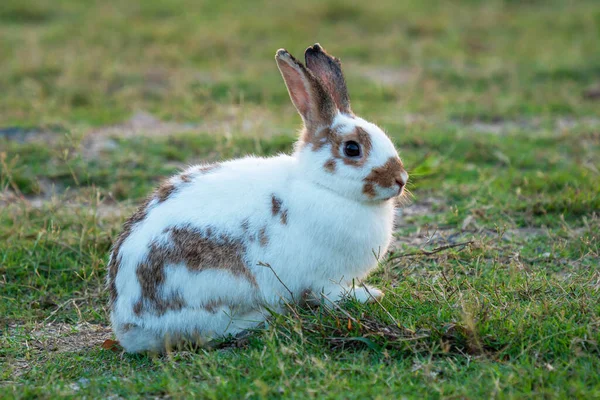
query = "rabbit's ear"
{"x": 328, "y": 70}
{"x": 308, "y": 95}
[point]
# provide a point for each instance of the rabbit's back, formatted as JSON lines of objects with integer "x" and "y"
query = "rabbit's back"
{"x": 188, "y": 246}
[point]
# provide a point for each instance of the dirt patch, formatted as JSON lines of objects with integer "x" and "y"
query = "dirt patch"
{"x": 592, "y": 93}
{"x": 226, "y": 122}
{"x": 435, "y": 234}
{"x": 65, "y": 338}
{"x": 45, "y": 134}
{"x": 9, "y": 197}
{"x": 419, "y": 209}
{"x": 48, "y": 190}
{"x": 429, "y": 206}
{"x": 408, "y": 216}
{"x": 517, "y": 233}
{"x": 430, "y": 235}
{"x": 502, "y": 126}
{"x": 140, "y": 124}
{"x": 73, "y": 202}
{"x": 570, "y": 123}
{"x": 53, "y": 337}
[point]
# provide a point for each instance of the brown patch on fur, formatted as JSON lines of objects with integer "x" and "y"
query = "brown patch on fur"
{"x": 127, "y": 327}
{"x": 360, "y": 136}
{"x": 151, "y": 275}
{"x": 208, "y": 168}
{"x": 246, "y": 229}
{"x": 188, "y": 176}
{"x": 369, "y": 189}
{"x": 262, "y": 236}
{"x": 198, "y": 251}
{"x": 317, "y": 140}
{"x": 175, "y": 302}
{"x": 275, "y": 205}
{"x": 245, "y": 225}
{"x": 138, "y": 307}
{"x": 384, "y": 176}
{"x": 328, "y": 136}
{"x": 330, "y": 165}
{"x": 213, "y": 306}
{"x": 185, "y": 178}
{"x": 164, "y": 191}
{"x": 115, "y": 259}
{"x": 276, "y": 209}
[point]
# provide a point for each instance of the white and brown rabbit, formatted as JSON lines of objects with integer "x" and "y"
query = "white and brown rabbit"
{"x": 190, "y": 263}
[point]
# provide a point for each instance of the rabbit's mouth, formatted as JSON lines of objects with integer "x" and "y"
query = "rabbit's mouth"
{"x": 399, "y": 189}
{"x": 388, "y": 196}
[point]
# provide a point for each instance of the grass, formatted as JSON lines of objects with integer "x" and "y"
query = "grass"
{"x": 487, "y": 103}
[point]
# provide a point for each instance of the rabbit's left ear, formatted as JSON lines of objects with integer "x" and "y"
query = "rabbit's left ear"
{"x": 328, "y": 70}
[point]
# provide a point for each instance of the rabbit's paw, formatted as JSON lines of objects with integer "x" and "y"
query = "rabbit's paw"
{"x": 367, "y": 294}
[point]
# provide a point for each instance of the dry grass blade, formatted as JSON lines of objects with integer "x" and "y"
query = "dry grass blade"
{"x": 422, "y": 252}
{"x": 262, "y": 264}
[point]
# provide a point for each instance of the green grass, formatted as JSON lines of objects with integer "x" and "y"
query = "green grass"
{"x": 486, "y": 103}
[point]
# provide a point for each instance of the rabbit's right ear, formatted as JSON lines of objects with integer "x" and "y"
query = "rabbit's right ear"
{"x": 328, "y": 70}
{"x": 308, "y": 95}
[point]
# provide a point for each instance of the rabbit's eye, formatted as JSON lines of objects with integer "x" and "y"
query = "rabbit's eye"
{"x": 352, "y": 149}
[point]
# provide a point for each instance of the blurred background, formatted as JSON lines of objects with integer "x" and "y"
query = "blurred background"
{"x": 97, "y": 62}
{"x": 112, "y": 95}
{"x": 158, "y": 68}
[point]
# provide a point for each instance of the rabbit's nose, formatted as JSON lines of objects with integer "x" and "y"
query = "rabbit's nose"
{"x": 402, "y": 179}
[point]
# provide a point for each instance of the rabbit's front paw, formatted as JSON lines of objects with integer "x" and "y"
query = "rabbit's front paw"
{"x": 363, "y": 293}
{"x": 367, "y": 294}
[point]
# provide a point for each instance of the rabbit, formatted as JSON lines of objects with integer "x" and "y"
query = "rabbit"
{"x": 218, "y": 247}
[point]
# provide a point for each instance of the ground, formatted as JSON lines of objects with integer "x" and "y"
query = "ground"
{"x": 493, "y": 282}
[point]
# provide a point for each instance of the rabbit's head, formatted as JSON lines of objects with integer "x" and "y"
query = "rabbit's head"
{"x": 337, "y": 149}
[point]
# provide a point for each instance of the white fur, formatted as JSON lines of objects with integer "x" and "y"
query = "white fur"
{"x": 333, "y": 238}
